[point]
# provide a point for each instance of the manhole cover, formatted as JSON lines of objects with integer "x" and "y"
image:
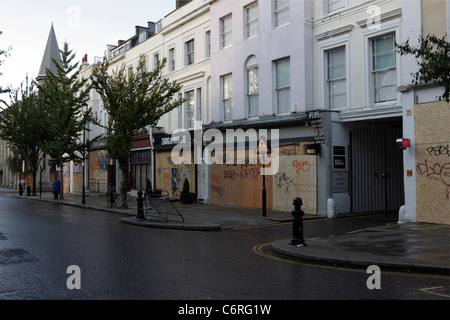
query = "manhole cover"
{"x": 15, "y": 256}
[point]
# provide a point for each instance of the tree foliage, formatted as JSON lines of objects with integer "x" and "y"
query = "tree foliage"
{"x": 22, "y": 128}
{"x": 433, "y": 58}
{"x": 133, "y": 100}
{"x": 62, "y": 98}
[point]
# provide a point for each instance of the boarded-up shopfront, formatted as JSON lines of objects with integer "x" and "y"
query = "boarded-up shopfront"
{"x": 432, "y": 143}
{"x": 241, "y": 185}
{"x": 168, "y": 175}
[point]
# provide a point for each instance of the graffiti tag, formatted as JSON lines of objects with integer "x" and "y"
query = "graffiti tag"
{"x": 436, "y": 172}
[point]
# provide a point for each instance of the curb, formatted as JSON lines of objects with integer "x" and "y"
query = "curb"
{"x": 176, "y": 226}
{"x": 337, "y": 258}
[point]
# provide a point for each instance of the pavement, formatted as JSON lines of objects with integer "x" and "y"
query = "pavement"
{"x": 420, "y": 247}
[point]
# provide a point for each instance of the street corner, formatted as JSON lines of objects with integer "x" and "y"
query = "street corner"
{"x": 148, "y": 223}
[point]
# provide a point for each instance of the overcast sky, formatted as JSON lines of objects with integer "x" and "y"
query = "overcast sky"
{"x": 87, "y": 25}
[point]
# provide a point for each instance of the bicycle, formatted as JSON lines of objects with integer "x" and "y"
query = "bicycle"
{"x": 113, "y": 198}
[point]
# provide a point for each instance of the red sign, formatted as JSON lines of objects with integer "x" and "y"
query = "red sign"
{"x": 263, "y": 147}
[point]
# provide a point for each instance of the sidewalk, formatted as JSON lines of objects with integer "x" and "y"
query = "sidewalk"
{"x": 413, "y": 246}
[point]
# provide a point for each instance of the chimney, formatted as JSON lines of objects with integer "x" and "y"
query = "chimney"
{"x": 181, "y": 3}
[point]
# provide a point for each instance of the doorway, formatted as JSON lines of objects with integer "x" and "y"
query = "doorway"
{"x": 376, "y": 169}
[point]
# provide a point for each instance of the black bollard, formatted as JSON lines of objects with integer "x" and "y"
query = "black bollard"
{"x": 140, "y": 206}
{"x": 297, "y": 225}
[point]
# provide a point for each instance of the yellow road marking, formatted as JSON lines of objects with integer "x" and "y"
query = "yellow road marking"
{"x": 258, "y": 249}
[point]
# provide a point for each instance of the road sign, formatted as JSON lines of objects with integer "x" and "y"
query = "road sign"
{"x": 263, "y": 147}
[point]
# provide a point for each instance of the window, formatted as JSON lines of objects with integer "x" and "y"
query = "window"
{"x": 227, "y": 97}
{"x": 142, "y": 37}
{"x": 336, "y": 78}
{"x": 189, "y": 109}
{"x": 226, "y": 31}
{"x": 283, "y": 85}
{"x": 189, "y": 50}
{"x": 141, "y": 169}
{"x": 155, "y": 60}
{"x": 333, "y": 5}
{"x": 384, "y": 72}
{"x": 198, "y": 116}
{"x": 171, "y": 59}
{"x": 281, "y": 12}
{"x": 252, "y": 20}
{"x": 208, "y": 43}
{"x": 252, "y": 91}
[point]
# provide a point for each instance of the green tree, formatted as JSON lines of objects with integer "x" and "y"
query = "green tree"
{"x": 21, "y": 127}
{"x": 64, "y": 112}
{"x": 133, "y": 100}
{"x": 433, "y": 58}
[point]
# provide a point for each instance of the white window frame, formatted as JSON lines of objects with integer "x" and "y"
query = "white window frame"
{"x": 189, "y": 53}
{"x": 224, "y": 33}
{"x": 276, "y": 14}
{"x": 277, "y": 89}
{"x": 248, "y": 94}
{"x": 155, "y": 59}
{"x": 326, "y": 6}
{"x": 171, "y": 62}
{"x": 224, "y": 99}
{"x": 325, "y": 46}
{"x": 198, "y": 104}
{"x": 248, "y": 22}
{"x": 207, "y": 44}
{"x": 189, "y": 116}
{"x": 368, "y": 35}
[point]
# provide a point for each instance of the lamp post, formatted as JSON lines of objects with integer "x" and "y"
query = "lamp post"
{"x": 20, "y": 175}
{"x": 83, "y": 198}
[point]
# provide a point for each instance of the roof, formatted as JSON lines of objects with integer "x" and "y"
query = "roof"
{"x": 51, "y": 52}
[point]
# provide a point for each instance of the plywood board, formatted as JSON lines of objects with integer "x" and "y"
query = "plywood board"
{"x": 432, "y": 143}
{"x": 296, "y": 177}
{"x": 170, "y": 176}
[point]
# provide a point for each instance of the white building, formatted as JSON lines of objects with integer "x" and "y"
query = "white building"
{"x": 262, "y": 77}
{"x": 183, "y": 38}
{"x": 357, "y": 71}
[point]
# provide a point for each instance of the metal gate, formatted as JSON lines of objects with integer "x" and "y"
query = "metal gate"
{"x": 376, "y": 169}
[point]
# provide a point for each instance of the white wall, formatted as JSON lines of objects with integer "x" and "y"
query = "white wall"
{"x": 290, "y": 40}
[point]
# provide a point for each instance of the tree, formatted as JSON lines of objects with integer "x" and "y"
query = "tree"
{"x": 433, "y": 58}
{"x": 21, "y": 127}
{"x": 133, "y": 100}
{"x": 62, "y": 97}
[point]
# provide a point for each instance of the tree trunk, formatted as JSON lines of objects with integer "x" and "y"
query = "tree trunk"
{"x": 61, "y": 179}
{"x": 124, "y": 183}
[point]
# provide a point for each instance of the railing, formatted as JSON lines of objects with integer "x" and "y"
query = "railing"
{"x": 96, "y": 185}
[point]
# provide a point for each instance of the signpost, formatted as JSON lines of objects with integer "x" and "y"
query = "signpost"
{"x": 263, "y": 148}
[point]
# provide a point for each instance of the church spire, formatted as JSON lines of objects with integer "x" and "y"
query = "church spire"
{"x": 51, "y": 52}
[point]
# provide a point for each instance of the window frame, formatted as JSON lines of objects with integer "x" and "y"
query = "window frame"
{"x": 374, "y": 72}
{"x": 249, "y": 23}
{"x": 171, "y": 60}
{"x": 189, "y": 52}
{"x": 328, "y": 81}
{"x": 278, "y": 89}
{"x": 224, "y": 33}
{"x": 277, "y": 13}
{"x": 226, "y": 99}
{"x": 250, "y": 95}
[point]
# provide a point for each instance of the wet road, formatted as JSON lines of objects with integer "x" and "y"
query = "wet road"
{"x": 40, "y": 240}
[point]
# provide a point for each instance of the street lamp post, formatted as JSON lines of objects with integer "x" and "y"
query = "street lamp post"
{"x": 83, "y": 199}
{"x": 20, "y": 175}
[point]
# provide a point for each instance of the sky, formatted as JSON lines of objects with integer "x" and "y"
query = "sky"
{"x": 87, "y": 25}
